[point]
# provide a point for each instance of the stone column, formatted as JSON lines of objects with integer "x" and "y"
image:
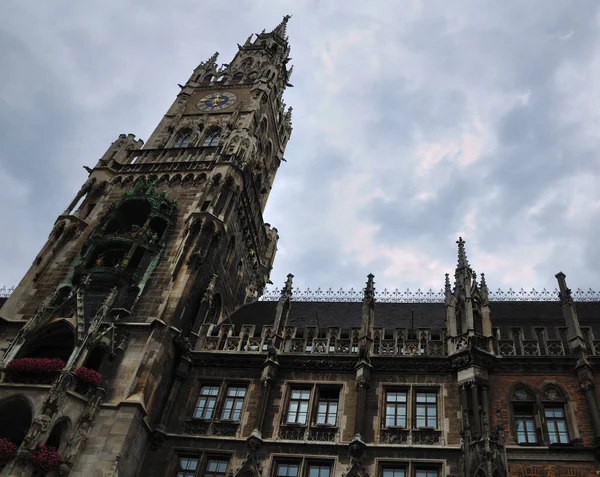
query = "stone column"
{"x": 475, "y": 402}
{"x": 590, "y": 397}
{"x": 485, "y": 404}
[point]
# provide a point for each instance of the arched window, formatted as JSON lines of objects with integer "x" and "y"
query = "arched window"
{"x": 58, "y": 434}
{"x": 212, "y": 138}
{"x": 524, "y": 413}
{"x": 237, "y": 78}
{"x": 54, "y": 341}
{"x": 555, "y": 414}
{"x": 15, "y": 419}
{"x": 215, "y": 310}
{"x": 230, "y": 251}
{"x": 183, "y": 139}
{"x": 95, "y": 358}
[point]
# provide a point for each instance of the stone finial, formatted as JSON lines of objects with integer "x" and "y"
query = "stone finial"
{"x": 288, "y": 116}
{"x": 483, "y": 284}
{"x": 282, "y": 27}
{"x": 564, "y": 292}
{"x": 462, "y": 255}
{"x": 447, "y": 286}
{"x": 210, "y": 289}
{"x": 369, "y": 292}
{"x": 211, "y": 62}
{"x": 249, "y": 40}
{"x": 286, "y": 291}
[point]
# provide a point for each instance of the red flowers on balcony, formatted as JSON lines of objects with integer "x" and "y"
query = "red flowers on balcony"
{"x": 35, "y": 365}
{"x": 46, "y": 458}
{"x": 7, "y": 449}
{"x": 88, "y": 376}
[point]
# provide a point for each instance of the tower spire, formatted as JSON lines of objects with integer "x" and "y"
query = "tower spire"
{"x": 282, "y": 27}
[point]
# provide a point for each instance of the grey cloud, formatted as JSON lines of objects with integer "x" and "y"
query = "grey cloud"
{"x": 418, "y": 76}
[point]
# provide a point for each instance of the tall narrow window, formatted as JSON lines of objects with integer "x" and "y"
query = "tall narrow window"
{"x": 525, "y": 424}
{"x": 298, "y": 407}
{"x": 393, "y": 472}
{"x": 426, "y": 472}
{"x": 557, "y": 424}
{"x": 287, "y": 469}
{"x": 426, "y": 409}
{"x": 216, "y": 468}
{"x": 183, "y": 139}
{"x": 233, "y": 403}
{"x": 395, "y": 408}
{"x": 187, "y": 467}
{"x": 212, "y": 138}
{"x": 318, "y": 470}
{"x": 206, "y": 402}
{"x": 327, "y": 406}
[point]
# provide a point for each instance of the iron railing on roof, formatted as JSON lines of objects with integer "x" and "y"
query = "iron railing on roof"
{"x": 6, "y": 291}
{"x": 424, "y": 296}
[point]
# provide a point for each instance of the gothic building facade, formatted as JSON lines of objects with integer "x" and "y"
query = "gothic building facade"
{"x": 138, "y": 342}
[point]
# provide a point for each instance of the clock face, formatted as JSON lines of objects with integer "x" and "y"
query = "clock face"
{"x": 216, "y": 101}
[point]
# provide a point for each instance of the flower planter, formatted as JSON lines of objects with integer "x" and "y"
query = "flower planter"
{"x": 7, "y": 450}
{"x": 46, "y": 458}
{"x": 33, "y": 370}
{"x": 87, "y": 379}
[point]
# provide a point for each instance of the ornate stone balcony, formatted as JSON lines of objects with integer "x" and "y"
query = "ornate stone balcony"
{"x": 421, "y": 436}
{"x": 315, "y": 433}
{"x": 210, "y": 428}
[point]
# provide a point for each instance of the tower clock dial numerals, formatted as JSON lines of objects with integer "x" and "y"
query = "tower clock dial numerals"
{"x": 216, "y": 101}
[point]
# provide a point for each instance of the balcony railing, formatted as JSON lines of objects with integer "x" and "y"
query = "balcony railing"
{"x": 403, "y": 436}
{"x": 315, "y": 433}
{"x": 210, "y": 428}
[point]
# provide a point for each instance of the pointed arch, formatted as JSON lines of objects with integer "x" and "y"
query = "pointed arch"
{"x": 16, "y": 415}
{"x": 237, "y": 78}
{"x": 183, "y": 138}
{"x": 212, "y": 137}
{"x": 56, "y": 340}
{"x": 58, "y": 435}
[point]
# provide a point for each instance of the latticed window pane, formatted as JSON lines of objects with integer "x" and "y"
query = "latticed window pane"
{"x": 287, "y": 470}
{"x": 234, "y": 401}
{"x": 395, "y": 408}
{"x": 318, "y": 470}
{"x": 183, "y": 139}
{"x": 557, "y": 425}
{"x": 215, "y": 468}
{"x": 206, "y": 402}
{"x": 426, "y": 473}
{"x": 212, "y": 139}
{"x": 393, "y": 472}
{"x": 525, "y": 424}
{"x": 298, "y": 407}
{"x": 426, "y": 409}
{"x": 187, "y": 467}
{"x": 327, "y": 406}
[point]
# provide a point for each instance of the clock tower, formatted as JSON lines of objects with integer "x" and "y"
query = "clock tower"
{"x": 163, "y": 238}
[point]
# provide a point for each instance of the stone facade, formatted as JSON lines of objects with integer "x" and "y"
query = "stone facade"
{"x": 146, "y": 295}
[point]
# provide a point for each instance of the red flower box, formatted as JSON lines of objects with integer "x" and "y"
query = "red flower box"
{"x": 88, "y": 376}
{"x": 46, "y": 458}
{"x": 7, "y": 449}
{"x": 35, "y": 365}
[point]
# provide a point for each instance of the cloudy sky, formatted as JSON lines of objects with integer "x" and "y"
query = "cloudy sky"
{"x": 414, "y": 122}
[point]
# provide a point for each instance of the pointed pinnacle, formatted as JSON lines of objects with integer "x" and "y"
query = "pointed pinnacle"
{"x": 249, "y": 40}
{"x": 462, "y": 255}
{"x": 281, "y": 28}
{"x": 213, "y": 59}
{"x": 483, "y": 283}
{"x": 447, "y": 286}
{"x": 286, "y": 291}
{"x": 370, "y": 288}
